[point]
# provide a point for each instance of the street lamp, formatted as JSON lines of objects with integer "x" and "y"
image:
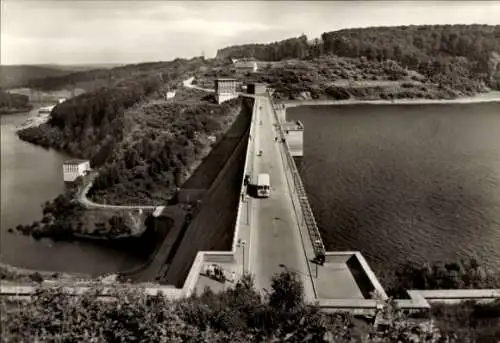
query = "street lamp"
{"x": 318, "y": 242}
{"x": 241, "y": 243}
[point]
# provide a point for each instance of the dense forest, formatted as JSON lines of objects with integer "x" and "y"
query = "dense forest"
{"x": 154, "y": 161}
{"x": 449, "y": 55}
{"x": 239, "y": 314}
{"x": 11, "y": 103}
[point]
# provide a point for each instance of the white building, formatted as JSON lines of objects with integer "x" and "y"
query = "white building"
{"x": 47, "y": 109}
{"x": 294, "y": 136}
{"x": 72, "y": 169}
{"x": 250, "y": 66}
{"x": 170, "y": 95}
{"x": 225, "y": 89}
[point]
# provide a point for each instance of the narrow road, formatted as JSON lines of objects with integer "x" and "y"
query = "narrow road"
{"x": 275, "y": 238}
{"x": 189, "y": 84}
{"x": 82, "y": 198}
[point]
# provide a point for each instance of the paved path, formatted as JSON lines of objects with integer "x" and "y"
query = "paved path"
{"x": 189, "y": 84}
{"x": 82, "y": 198}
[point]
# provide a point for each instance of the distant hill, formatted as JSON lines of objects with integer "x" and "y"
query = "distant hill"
{"x": 81, "y": 67}
{"x": 447, "y": 54}
{"x": 96, "y": 78}
{"x": 20, "y": 75}
{"x": 16, "y": 75}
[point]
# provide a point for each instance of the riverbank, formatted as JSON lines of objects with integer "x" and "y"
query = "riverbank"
{"x": 34, "y": 121}
{"x": 479, "y": 98}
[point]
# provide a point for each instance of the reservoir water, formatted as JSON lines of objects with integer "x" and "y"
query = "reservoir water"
{"x": 31, "y": 175}
{"x": 398, "y": 182}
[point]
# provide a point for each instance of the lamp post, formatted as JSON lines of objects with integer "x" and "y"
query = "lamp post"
{"x": 241, "y": 243}
{"x": 317, "y": 261}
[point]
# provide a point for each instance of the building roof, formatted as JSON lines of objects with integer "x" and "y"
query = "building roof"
{"x": 75, "y": 161}
{"x": 293, "y": 126}
{"x": 225, "y": 79}
{"x": 245, "y": 64}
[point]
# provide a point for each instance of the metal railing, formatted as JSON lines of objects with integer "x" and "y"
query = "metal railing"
{"x": 297, "y": 187}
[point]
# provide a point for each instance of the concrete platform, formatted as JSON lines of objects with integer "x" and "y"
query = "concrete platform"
{"x": 335, "y": 281}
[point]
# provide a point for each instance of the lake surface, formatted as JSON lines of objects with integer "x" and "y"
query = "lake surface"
{"x": 30, "y": 176}
{"x": 398, "y": 182}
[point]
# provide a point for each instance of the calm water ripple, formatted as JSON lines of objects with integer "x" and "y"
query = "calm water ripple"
{"x": 405, "y": 182}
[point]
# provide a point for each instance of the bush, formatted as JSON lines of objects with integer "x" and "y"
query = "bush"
{"x": 237, "y": 315}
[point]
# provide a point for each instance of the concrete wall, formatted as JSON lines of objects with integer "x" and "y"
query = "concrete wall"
{"x": 222, "y": 97}
{"x": 360, "y": 276}
{"x": 213, "y": 227}
{"x": 189, "y": 196}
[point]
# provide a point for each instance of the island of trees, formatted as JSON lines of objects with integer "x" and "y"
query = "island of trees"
{"x": 14, "y": 103}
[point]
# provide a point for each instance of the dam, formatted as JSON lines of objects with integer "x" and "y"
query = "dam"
{"x": 280, "y": 233}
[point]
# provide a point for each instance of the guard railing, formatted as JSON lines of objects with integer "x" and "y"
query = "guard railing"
{"x": 297, "y": 187}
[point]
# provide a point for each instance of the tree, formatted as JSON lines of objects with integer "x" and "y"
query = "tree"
{"x": 287, "y": 292}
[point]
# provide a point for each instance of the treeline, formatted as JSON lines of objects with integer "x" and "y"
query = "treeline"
{"x": 109, "y": 77}
{"x": 451, "y": 55}
{"x": 276, "y": 51}
{"x": 238, "y": 314}
{"x": 10, "y": 103}
{"x": 464, "y": 274}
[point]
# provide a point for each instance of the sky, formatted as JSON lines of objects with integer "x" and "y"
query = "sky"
{"x": 84, "y": 32}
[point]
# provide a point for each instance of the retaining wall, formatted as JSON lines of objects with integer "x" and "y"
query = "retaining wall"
{"x": 214, "y": 213}
{"x": 209, "y": 256}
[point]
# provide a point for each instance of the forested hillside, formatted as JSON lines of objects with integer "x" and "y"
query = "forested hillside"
{"x": 11, "y": 103}
{"x": 459, "y": 56}
{"x": 142, "y": 144}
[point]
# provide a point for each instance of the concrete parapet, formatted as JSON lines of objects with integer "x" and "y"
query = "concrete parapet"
{"x": 194, "y": 273}
{"x": 219, "y": 256}
{"x": 347, "y": 303}
{"x": 458, "y": 293}
{"x": 338, "y": 256}
{"x": 248, "y": 156}
{"x": 188, "y": 196}
{"x": 372, "y": 283}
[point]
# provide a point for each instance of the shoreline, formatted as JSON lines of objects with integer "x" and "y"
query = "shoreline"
{"x": 479, "y": 98}
{"x": 34, "y": 121}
